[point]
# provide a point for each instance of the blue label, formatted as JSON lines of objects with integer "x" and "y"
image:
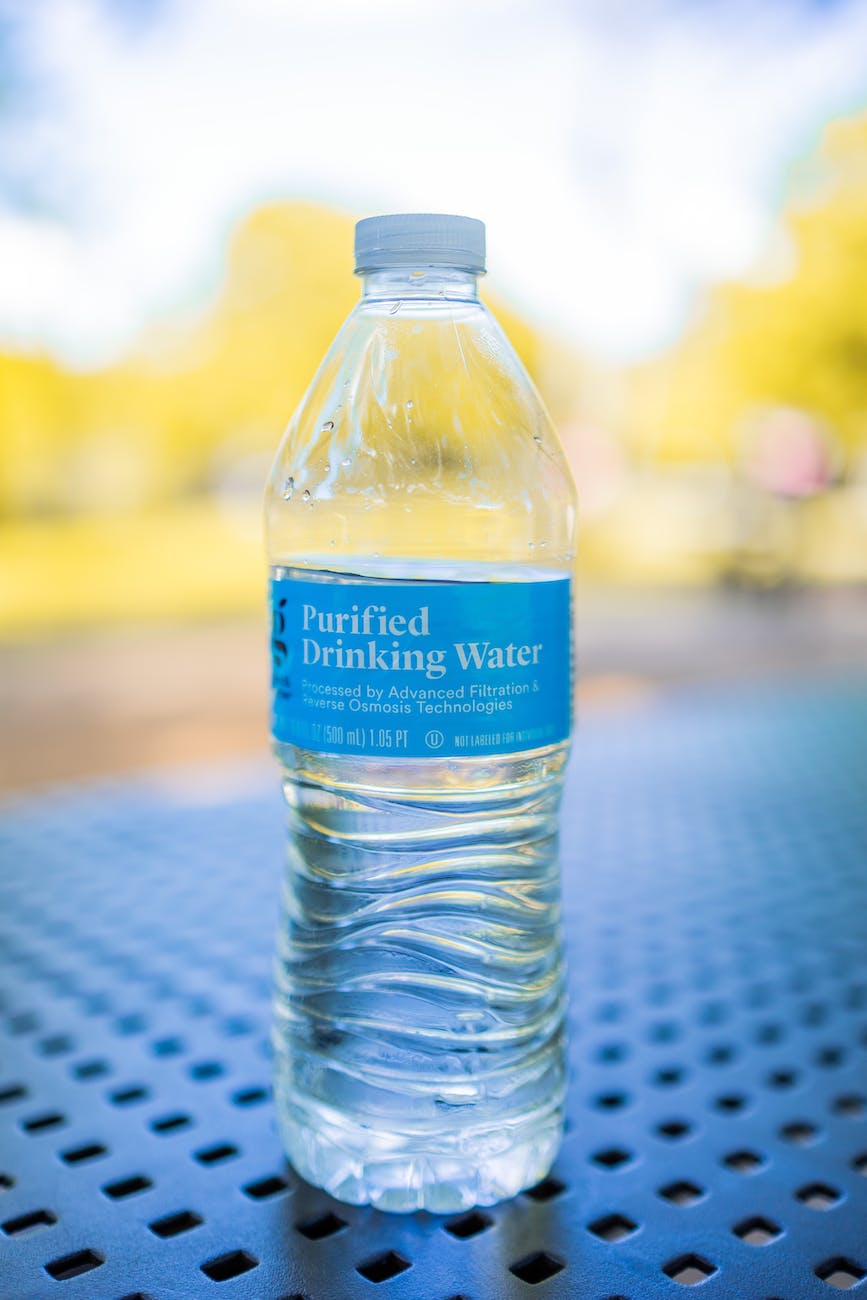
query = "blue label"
{"x": 420, "y": 669}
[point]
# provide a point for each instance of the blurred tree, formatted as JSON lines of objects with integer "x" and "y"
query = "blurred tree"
{"x": 37, "y": 413}
{"x": 794, "y": 336}
{"x": 803, "y": 342}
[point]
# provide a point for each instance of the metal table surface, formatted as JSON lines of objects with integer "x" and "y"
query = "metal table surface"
{"x": 716, "y": 903}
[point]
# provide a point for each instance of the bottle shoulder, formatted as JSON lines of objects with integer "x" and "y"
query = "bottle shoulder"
{"x": 421, "y": 425}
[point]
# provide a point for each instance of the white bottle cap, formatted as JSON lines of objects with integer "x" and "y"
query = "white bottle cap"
{"x": 420, "y": 239}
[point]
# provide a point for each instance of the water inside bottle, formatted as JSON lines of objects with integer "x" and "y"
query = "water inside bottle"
{"x": 420, "y": 982}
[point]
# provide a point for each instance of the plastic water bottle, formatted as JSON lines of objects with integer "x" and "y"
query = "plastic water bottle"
{"x": 420, "y": 522}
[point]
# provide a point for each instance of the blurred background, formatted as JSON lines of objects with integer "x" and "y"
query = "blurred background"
{"x": 676, "y": 200}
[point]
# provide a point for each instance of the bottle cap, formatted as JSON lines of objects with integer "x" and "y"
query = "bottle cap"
{"x": 420, "y": 239}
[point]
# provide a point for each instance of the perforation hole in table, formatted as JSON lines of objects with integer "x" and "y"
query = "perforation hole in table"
{"x": 716, "y": 915}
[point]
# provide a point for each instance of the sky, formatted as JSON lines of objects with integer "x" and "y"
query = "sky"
{"x": 624, "y": 155}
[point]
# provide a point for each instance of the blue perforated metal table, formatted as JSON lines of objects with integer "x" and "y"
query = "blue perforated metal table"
{"x": 716, "y": 901}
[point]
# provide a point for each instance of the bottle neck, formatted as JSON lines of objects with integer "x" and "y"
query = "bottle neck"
{"x": 426, "y": 282}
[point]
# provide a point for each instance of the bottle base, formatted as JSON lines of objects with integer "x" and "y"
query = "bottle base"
{"x": 444, "y": 1173}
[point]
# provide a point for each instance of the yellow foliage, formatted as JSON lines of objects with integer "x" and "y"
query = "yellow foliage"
{"x": 798, "y": 339}
{"x": 111, "y": 480}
